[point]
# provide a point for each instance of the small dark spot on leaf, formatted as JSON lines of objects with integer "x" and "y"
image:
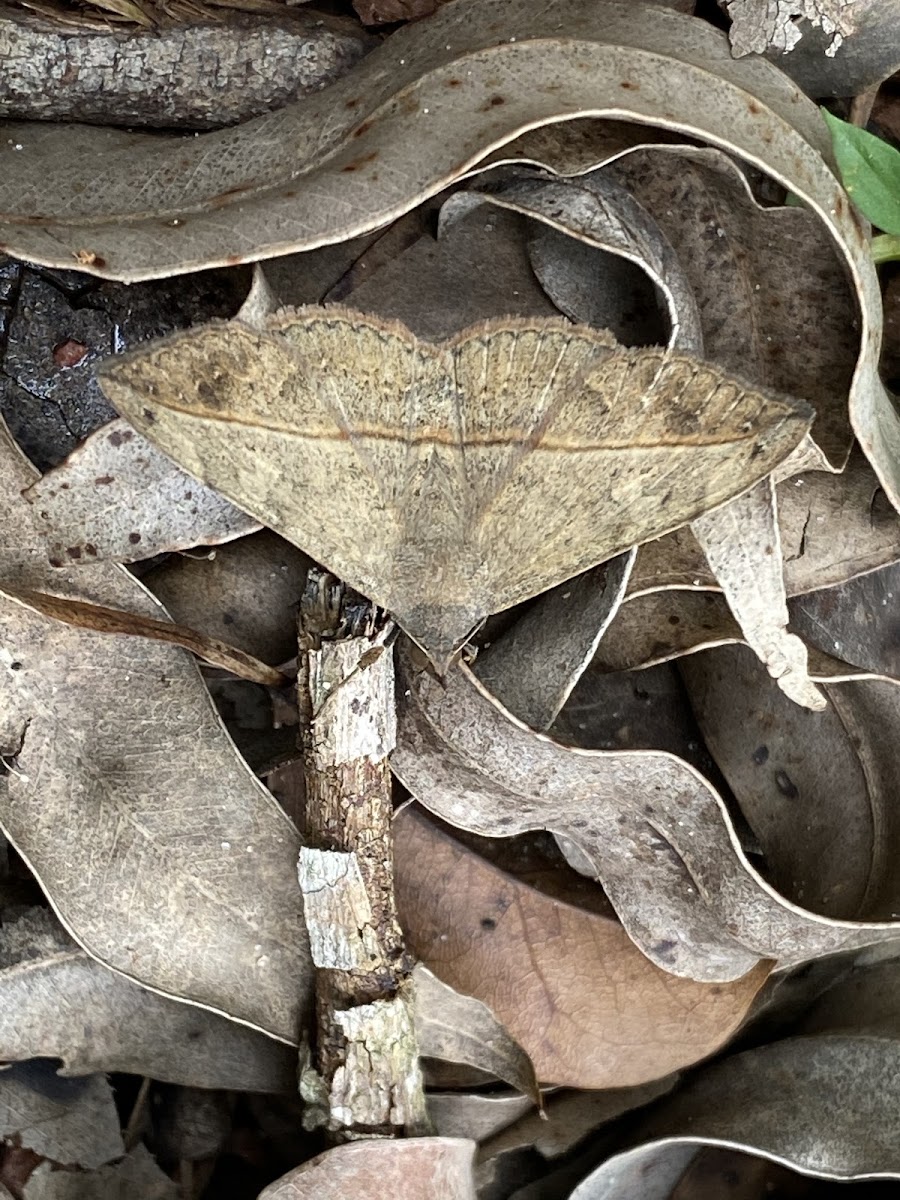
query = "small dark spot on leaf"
{"x": 361, "y": 129}
{"x": 134, "y": 538}
{"x": 352, "y": 103}
{"x": 227, "y": 618}
{"x": 453, "y": 83}
{"x": 104, "y": 479}
{"x": 629, "y": 86}
{"x": 664, "y": 949}
{"x": 673, "y": 620}
{"x": 786, "y": 785}
{"x": 188, "y": 495}
{"x": 360, "y": 162}
{"x": 492, "y": 102}
{"x": 760, "y": 755}
{"x": 488, "y": 923}
{"x": 73, "y": 551}
{"x": 233, "y": 259}
{"x": 753, "y": 107}
{"x": 149, "y": 415}
{"x": 119, "y": 436}
{"x": 91, "y": 549}
{"x": 15, "y": 666}
{"x": 56, "y": 562}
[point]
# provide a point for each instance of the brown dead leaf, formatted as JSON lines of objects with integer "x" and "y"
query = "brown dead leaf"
{"x": 407, "y": 438}
{"x": 56, "y": 1002}
{"x": 149, "y": 808}
{"x": 137, "y": 1175}
{"x": 118, "y": 498}
{"x": 696, "y": 906}
{"x": 427, "y": 1168}
{"x": 571, "y": 987}
{"x": 456, "y": 1028}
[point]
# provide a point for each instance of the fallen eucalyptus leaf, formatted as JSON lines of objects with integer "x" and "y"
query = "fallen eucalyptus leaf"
{"x": 426, "y": 1168}
{"x": 474, "y": 1115}
{"x": 657, "y": 627}
{"x": 817, "y": 789}
{"x": 589, "y": 1008}
{"x": 58, "y": 1003}
{"x": 71, "y": 1121}
{"x": 458, "y": 1028}
{"x": 856, "y": 621}
{"x": 118, "y": 498}
{"x": 245, "y": 592}
{"x": 149, "y": 808}
{"x": 697, "y": 908}
{"x": 101, "y": 619}
{"x": 546, "y": 651}
{"x": 825, "y": 1105}
{"x": 135, "y": 1175}
{"x": 408, "y": 437}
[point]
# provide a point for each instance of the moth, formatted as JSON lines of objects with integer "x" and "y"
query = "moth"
{"x": 449, "y": 481}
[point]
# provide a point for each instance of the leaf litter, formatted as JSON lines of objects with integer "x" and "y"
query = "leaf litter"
{"x": 810, "y": 813}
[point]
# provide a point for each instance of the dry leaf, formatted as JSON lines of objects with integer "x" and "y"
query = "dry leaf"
{"x": 591, "y": 1011}
{"x": 696, "y": 907}
{"x": 825, "y": 1105}
{"x": 135, "y": 1175}
{"x": 418, "y": 1169}
{"x": 149, "y": 808}
{"x": 101, "y": 619}
{"x": 68, "y": 1120}
{"x": 407, "y": 437}
{"x": 454, "y": 1027}
{"x": 244, "y": 593}
{"x": 118, "y": 498}
{"x": 817, "y": 789}
{"x": 855, "y": 622}
{"x": 56, "y": 1002}
{"x": 545, "y": 652}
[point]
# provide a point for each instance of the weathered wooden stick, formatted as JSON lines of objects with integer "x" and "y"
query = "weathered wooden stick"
{"x": 367, "y": 1077}
{"x": 194, "y": 76}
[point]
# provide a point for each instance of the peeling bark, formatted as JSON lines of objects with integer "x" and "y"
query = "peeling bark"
{"x": 199, "y": 76}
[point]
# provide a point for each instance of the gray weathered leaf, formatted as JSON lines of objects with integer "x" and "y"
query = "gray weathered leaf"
{"x": 408, "y": 435}
{"x": 457, "y": 1028}
{"x": 72, "y": 1121}
{"x": 58, "y": 1002}
{"x": 826, "y": 1105}
{"x": 817, "y": 789}
{"x": 119, "y": 498}
{"x": 106, "y": 804}
{"x": 136, "y": 1175}
{"x": 696, "y": 907}
{"x": 542, "y": 656}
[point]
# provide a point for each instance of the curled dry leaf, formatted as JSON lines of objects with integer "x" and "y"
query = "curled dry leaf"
{"x": 57, "y": 1002}
{"x": 164, "y": 807}
{"x": 454, "y": 1027}
{"x": 589, "y": 1008}
{"x": 817, "y": 789}
{"x": 407, "y": 435}
{"x": 696, "y": 907}
{"x": 72, "y": 1121}
{"x": 136, "y": 1175}
{"x": 113, "y": 620}
{"x": 826, "y": 1105}
{"x": 427, "y": 1168}
{"x": 118, "y": 498}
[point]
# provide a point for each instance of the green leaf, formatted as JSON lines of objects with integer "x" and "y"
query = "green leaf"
{"x": 870, "y": 171}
